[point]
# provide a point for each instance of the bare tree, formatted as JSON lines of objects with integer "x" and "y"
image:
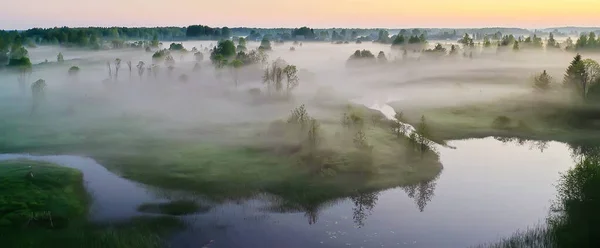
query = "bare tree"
{"x": 129, "y": 65}
{"x": 109, "y": 70}
{"x": 117, "y": 67}
{"x": 141, "y": 69}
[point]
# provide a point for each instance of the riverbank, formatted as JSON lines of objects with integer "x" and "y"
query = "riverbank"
{"x": 46, "y": 205}
{"x": 224, "y": 161}
{"x": 527, "y": 116}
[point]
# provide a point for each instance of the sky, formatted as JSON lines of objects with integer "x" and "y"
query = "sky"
{"x": 313, "y": 13}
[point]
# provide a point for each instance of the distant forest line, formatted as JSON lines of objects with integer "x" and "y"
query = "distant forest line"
{"x": 83, "y": 36}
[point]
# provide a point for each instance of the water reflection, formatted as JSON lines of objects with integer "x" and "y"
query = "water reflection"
{"x": 537, "y": 144}
{"x": 574, "y": 219}
{"x": 363, "y": 207}
{"x": 421, "y": 193}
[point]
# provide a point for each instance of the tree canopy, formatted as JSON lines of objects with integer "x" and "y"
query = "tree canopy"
{"x": 225, "y": 50}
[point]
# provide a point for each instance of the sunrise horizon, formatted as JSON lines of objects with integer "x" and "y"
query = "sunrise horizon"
{"x": 534, "y": 14}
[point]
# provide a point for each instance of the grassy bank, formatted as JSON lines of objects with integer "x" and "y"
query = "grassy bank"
{"x": 528, "y": 116}
{"x": 221, "y": 161}
{"x": 44, "y": 205}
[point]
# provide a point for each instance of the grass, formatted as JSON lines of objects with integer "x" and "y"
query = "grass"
{"x": 537, "y": 237}
{"x": 178, "y": 207}
{"x": 220, "y": 161}
{"x": 525, "y": 116}
{"x": 49, "y": 209}
{"x": 53, "y": 192}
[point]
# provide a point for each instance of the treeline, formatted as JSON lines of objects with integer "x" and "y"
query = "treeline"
{"x": 90, "y": 36}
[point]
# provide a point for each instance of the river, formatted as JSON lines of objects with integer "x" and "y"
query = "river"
{"x": 487, "y": 190}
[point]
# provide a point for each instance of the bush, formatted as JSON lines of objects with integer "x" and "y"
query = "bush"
{"x": 176, "y": 47}
{"x": 74, "y": 70}
{"x": 501, "y": 122}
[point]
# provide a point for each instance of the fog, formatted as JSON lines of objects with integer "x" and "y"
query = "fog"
{"x": 207, "y": 100}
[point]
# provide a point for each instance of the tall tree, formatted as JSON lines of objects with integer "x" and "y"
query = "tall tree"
{"x": 37, "y": 92}
{"x": 291, "y": 74}
{"x": 575, "y": 76}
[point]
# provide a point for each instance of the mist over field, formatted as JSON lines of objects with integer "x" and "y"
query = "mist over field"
{"x": 218, "y": 137}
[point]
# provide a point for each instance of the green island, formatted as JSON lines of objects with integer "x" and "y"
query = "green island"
{"x": 45, "y": 205}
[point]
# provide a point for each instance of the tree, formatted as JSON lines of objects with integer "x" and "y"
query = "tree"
{"x": 154, "y": 42}
{"x": 129, "y": 66}
{"x": 109, "y": 70}
{"x": 551, "y": 42}
{"x": 225, "y": 32}
{"x": 176, "y": 47}
{"x": 591, "y": 78}
{"x": 516, "y": 46}
{"x": 236, "y": 64}
{"x": 169, "y": 61}
{"x": 422, "y": 38}
{"x": 398, "y": 41}
{"x": 242, "y": 41}
{"x": 141, "y": 69}
{"x": 575, "y": 76}
{"x": 241, "y": 44}
{"x": 199, "y": 56}
{"x": 225, "y": 48}
{"x": 467, "y": 41}
{"x": 265, "y": 44}
{"x": 398, "y": 126}
{"x": 291, "y": 74}
{"x": 486, "y": 42}
{"x": 4, "y": 48}
{"x": 273, "y": 76}
{"x": 19, "y": 59}
{"x": 422, "y": 132}
{"x": 453, "y": 50}
{"x": 542, "y": 82}
{"x": 60, "y": 58}
{"x": 381, "y": 58}
{"x": 313, "y": 136}
{"x": 384, "y": 37}
{"x": 37, "y": 92}
{"x": 117, "y": 67}
{"x": 569, "y": 44}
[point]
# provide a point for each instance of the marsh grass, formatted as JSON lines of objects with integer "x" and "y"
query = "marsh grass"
{"x": 44, "y": 205}
{"x": 537, "y": 237}
{"x": 178, "y": 207}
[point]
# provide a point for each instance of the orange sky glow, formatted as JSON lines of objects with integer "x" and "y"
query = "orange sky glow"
{"x": 313, "y": 13}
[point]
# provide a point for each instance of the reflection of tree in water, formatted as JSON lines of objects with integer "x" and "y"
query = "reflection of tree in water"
{"x": 422, "y": 193}
{"x": 538, "y": 144}
{"x": 310, "y": 210}
{"x": 363, "y": 206}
